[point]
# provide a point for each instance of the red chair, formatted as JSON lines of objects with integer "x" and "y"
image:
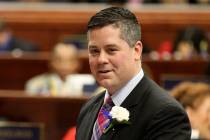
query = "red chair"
{"x": 70, "y": 135}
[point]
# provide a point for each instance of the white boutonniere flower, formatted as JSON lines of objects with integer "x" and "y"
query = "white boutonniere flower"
{"x": 118, "y": 115}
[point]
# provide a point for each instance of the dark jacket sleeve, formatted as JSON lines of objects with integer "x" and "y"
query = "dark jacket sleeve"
{"x": 170, "y": 123}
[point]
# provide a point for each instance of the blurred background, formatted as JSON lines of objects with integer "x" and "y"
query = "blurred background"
{"x": 175, "y": 36}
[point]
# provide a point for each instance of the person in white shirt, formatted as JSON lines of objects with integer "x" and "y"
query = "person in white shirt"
{"x": 63, "y": 80}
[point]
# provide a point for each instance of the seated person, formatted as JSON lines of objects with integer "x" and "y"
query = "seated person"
{"x": 195, "y": 98}
{"x": 190, "y": 42}
{"x": 62, "y": 80}
{"x": 9, "y": 42}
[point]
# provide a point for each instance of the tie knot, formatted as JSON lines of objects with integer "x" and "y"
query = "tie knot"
{"x": 108, "y": 104}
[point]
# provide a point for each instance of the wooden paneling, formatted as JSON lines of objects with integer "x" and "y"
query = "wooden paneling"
{"x": 15, "y": 71}
{"x": 57, "y": 114}
{"x": 47, "y": 24}
{"x": 158, "y": 69}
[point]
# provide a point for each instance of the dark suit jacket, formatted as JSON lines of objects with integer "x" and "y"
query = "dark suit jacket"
{"x": 154, "y": 115}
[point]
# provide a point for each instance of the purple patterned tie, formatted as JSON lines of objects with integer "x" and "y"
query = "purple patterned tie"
{"x": 102, "y": 121}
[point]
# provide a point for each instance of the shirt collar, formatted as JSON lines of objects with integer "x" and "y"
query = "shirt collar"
{"x": 195, "y": 134}
{"x": 121, "y": 94}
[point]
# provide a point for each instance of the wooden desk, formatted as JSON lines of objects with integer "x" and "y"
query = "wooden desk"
{"x": 46, "y": 24}
{"x": 56, "y": 113}
{"x": 16, "y": 70}
{"x": 157, "y": 69}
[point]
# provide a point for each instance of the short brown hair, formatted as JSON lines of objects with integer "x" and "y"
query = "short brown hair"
{"x": 121, "y": 18}
{"x": 190, "y": 94}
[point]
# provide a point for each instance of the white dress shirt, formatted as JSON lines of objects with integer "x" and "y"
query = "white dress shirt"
{"x": 122, "y": 93}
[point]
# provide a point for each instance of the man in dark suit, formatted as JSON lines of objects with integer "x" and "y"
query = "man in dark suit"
{"x": 115, "y": 50}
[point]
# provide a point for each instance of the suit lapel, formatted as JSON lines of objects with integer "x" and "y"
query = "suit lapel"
{"x": 136, "y": 97}
{"x": 133, "y": 103}
{"x": 137, "y": 94}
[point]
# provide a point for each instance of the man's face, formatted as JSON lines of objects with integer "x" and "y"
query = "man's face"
{"x": 186, "y": 50}
{"x": 64, "y": 61}
{"x": 112, "y": 61}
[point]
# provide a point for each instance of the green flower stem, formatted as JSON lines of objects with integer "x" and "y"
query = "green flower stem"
{"x": 108, "y": 128}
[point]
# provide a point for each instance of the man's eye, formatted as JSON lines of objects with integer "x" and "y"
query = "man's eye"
{"x": 94, "y": 51}
{"x": 112, "y": 50}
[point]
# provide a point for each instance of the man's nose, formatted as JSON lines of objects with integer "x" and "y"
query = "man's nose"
{"x": 102, "y": 58}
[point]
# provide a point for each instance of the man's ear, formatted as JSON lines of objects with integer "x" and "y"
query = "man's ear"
{"x": 138, "y": 50}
